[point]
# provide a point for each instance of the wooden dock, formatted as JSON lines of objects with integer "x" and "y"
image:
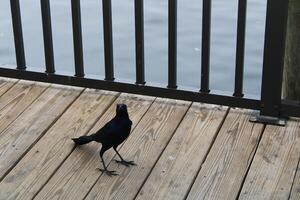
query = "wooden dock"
{"x": 183, "y": 150}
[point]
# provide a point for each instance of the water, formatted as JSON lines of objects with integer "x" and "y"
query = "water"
{"x": 224, "y": 16}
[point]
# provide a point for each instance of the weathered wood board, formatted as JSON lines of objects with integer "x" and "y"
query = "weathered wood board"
{"x": 273, "y": 169}
{"x": 224, "y": 169}
{"x": 183, "y": 150}
{"x": 37, "y": 166}
{"x": 78, "y": 173}
{"x": 175, "y": 171}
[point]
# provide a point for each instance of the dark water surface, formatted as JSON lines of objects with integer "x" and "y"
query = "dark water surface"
{"x": 224, "y": 16}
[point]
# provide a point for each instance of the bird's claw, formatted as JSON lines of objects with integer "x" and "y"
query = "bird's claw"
{"x": 108, "y": 172}
{"x": 126, "y": 163}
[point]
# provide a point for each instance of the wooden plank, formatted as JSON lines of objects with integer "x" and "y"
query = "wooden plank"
{"x": 30, "y": 125}
{"x": 37, "y": 166}
{"x": 6, "y": 84}
{"x": 224, "y": 169}
{"x": 144, "y": 146}
{"x": 275, "y": 163}
{"x": 175, "y": 171}
{"x": 295, "y": 193}
{"x": 78, "y": 173}
{"x": 17, "y": 99}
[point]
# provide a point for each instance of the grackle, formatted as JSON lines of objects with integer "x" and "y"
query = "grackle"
{"x": 110, "y": 136}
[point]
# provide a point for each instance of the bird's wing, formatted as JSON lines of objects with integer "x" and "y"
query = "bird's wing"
{"x": 108, "y": 132}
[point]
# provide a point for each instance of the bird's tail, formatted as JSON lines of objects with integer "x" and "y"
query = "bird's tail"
{"x": 82, "y": 140}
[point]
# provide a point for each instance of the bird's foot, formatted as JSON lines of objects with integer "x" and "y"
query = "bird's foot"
{"x": 108, "y": 172}
{"x": 126, "y": 163}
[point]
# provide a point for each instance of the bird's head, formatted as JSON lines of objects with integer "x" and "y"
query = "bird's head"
{"x": 122, "y": 110}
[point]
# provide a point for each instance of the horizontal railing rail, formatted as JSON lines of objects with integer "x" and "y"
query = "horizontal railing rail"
{"x": 270, "y": 105}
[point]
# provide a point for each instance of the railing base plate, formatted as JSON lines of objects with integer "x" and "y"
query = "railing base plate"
{"x": 268, "y": 120}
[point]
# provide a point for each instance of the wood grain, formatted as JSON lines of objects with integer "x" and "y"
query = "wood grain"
{"x": 17, "y": 99}
{"x": 178, "y": 166}
{"x": 37, "y": 166}
{"x": 222, "y": 172}
{"x": 273, "y": 169}
{"x": 30, "y": 125}
{"x": 6, "y": 84}
{"x": 38, "y": 159}
{"x": 144, "y": 146}
{"x": 295, "y": 193}
{"x": 78, "y": 173}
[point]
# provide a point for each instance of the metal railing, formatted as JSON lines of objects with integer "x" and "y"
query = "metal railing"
{"x": 270, "y": 105}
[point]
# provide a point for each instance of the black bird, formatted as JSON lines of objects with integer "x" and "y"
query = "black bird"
{"x": 111, "y": 135}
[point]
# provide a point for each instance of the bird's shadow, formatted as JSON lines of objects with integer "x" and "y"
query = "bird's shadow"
{"x": 88, "y": 150}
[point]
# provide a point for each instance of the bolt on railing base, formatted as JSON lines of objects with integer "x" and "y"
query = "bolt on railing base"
{"x": 256, "y": 118}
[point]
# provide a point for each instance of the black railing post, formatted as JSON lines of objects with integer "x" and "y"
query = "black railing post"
{"x": 139, "y": 41}
{"x": 77, "y": 38}
{"x": 240, "y": 49}
{"x": 275, "y": 33}
{"x": 47, "y": 33}
{"x": 108, "y": 40}
{"x": 274, "y": 49}
{"x": 205, "y": 52}
{"x": 18, "y": 34}
{"x": 172, "y": 58}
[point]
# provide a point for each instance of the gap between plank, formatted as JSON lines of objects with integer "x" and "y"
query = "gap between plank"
{"x": 163, "y": 150}
{"x": 52, "y": 174}
{"x": 205, "y": 157}
{"x": 298, "y": 165}
{"x": 38, "y": 138}
{"x": 249, "y": 166}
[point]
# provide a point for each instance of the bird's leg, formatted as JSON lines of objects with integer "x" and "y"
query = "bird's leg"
{"x": 105, "y": 170}
{"x": 122, "y": 161}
